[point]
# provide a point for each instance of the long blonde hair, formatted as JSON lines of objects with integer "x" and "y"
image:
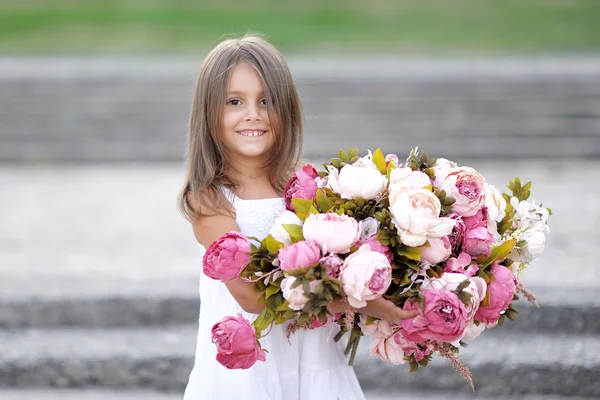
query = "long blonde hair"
{"x": 206, "y": 156}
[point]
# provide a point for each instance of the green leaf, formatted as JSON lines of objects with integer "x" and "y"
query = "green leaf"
{"x": 295, "y": 232}
{"x": 499, "y": 253}
{"x": 324, "y": 202}
{"x": 313, "y": 210}
{"x": 353, "y": 152}
{"x": 302, "y": 207}
{"x": 271, "y": 290}
{"x": 462, "y": 286}
{"x": 265, "y": 318}
{"x": 379, "y": 161}
{"x": 412, "y": 253}
{"x": 272, "y": 245}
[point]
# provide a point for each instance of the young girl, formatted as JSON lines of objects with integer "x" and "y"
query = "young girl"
{"x": 244, "y": 143}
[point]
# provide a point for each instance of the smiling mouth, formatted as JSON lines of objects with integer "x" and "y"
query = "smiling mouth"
{"x": 252, "y": 133}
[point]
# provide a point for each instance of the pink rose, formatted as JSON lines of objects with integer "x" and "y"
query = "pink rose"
{"x": 298, "y": 255}
{"x": 478, "y": 240}
{"x": 366, "y": 275}
{"x": 333, "y": 233}
{"x": 462, "y": 264}
{"x": 227, "y": 257}
{"x": 501, "y": 293}
{"x": 378, "y": 247}
{"x": 443, "y": 318}
{"x": 237, "y": 346}
{"x": 333, "y": 263}
{"x": 467, "y": 186}
{"x": 439, "y": 250}
{"x": 383, "y": 344}
{"x": 458, "y": 232}
{"x": 302, "y": 185}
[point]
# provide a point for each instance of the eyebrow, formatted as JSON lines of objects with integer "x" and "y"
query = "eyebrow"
{"x": 241, "y": 92}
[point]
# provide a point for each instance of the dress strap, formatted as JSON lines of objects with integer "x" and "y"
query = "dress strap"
{"x": 229, "y": 195}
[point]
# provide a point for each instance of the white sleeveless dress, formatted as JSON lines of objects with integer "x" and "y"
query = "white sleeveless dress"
{"x": 310, "y": 366}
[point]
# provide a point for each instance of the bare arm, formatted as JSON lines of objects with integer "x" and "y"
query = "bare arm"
{"x": 207, "y": 230}
{"x": 379, "y": 308}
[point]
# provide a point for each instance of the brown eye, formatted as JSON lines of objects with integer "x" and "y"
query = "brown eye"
{"x": 234, "y": 102}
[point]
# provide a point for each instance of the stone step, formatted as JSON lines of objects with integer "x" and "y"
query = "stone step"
{"x": 103, "y": 394}
{"x": 111, "y": 110}
{"x": 581, "y": 315}
{"x": 161, "y": 359}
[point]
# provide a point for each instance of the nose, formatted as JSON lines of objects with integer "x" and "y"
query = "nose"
{"x": 253, "y": 113}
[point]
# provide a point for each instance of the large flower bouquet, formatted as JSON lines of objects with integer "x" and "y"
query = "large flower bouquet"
{"x": 426, "y": 234}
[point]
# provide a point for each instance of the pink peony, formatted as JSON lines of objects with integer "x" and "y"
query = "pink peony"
{"x": 333, "y": 263}
{"x": 378, "y": 247}
{"x": 438, "y": 251}
{"x": 461, "y": 264}
{"x": 302, "y": 185}
{"x": 237, "y": 346}
{"x": 458, "y": 232}
{"x": 501, "y": 293}
{"x": 467, "y": 186}
{"x": 478, "y": 240}
{"x": 298, "y": 255}
{"x": 366, "y": 276}
{"x": 227, "y": 257}
{"x": 333, "y": 233}
{"x": 443, "y": 318}
{"x": 480, "y": 218}
{"x": 383, "y": 344}
{"x": 418, "y": 350}
{"x": 450, "y": 281}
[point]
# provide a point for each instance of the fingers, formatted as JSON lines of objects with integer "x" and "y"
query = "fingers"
{"x": 400, "y": 315}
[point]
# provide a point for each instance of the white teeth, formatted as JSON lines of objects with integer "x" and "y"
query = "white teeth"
{"x": 251, "y": 133}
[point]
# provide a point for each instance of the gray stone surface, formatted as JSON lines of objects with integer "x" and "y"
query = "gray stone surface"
{"x": 103, "y": 394}
{"x": 161, "y": 358}
{"x": 96, "y": 109}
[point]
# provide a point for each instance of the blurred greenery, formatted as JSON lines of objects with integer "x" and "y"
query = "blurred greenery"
{"x": 182, "y": 26}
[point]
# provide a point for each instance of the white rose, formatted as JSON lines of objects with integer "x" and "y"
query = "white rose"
{"x": 361, "y": 179}
{"x": 416, "y": 217}
{"x": 295, "y": 296}
{"x": 536, "y": 241}
{"x": 278, "y": 232}
{"x": 495, "y": 203}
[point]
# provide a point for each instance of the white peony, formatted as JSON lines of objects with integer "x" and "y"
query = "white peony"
{"x": 278, "y": 232}
{"x": 361, "y": 179}
{"x": 295, "y": 296}
{"x": 416, "y": 215}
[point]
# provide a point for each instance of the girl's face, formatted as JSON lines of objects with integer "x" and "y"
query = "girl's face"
{"x": 246, "y": 130}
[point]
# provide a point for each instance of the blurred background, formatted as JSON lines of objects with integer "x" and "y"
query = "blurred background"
{"x": 99, "y": 272}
